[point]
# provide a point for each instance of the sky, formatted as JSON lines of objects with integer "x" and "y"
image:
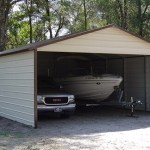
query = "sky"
{"x": 15, "y": 7}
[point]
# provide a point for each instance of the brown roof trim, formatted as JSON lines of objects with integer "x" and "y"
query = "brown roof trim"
{"x": 14, "y": 51}
{"x": 62, "y": 38}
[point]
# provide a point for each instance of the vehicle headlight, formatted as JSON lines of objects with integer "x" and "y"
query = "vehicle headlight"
{"x": 71, "y": 99}
{"x": 39, "y": 98}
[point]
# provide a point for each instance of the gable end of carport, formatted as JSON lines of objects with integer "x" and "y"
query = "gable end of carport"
{"x": 109, "y": 40}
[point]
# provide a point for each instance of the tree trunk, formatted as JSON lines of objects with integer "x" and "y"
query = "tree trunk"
{"x": 4, "y": 10}
{"x": 29, "y": 10}
{"x": 125, "y": 14}
{"x": 30, "y": 22}
{"x": 61, "y": 22}
{"x": 85, "y": 15}
{"x": 140, "y": 18}
{"x": 5, "y": 6}
{"x": 48, "y": 19}
{"x": 121, "y": 13}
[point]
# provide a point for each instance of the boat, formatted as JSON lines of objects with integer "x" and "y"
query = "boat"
{"x": 87, "y": 86}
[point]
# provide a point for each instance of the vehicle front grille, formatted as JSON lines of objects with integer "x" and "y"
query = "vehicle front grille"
{"x": 56, "y": 100}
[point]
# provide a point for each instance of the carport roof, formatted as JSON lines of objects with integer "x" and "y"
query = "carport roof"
{"x": 62, "y": 38}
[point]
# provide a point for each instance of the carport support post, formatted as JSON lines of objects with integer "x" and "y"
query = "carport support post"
{"x": 132, "y": 107}
{"x": 35, "y": 89}
{"x": 106, "y": 65}
{"x": 124, "y": 92}
{"x": 147, "y": 83}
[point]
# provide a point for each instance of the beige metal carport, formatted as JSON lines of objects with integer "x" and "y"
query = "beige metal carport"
{"x": 18, "y": 92}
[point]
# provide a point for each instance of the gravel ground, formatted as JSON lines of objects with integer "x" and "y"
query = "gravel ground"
{"x": 92, "y": 128}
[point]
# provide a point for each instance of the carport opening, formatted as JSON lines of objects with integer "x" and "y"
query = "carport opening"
{"x": 56, "y": 65}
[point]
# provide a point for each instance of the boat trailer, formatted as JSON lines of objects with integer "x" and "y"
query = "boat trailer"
{"x": 125, "y": 104}
{"x": 132, "y": 104}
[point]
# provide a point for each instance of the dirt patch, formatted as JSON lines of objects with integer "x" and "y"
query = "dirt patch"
{"x": 90, "y": 128}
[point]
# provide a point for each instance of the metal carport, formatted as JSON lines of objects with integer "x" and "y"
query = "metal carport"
{"x": 18, "y": 95}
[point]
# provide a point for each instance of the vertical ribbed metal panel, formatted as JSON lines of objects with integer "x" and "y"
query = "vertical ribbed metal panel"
{"x": 17, "y": 87}
{"x": 147, "y": 63}
{"x": 134, "y": 80}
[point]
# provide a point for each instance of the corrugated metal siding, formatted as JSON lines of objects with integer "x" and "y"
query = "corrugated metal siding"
{"x": 17, "y": 87}
{"x": 147, "y": 63}
{"x": 110, "y": 40}
{"x": 134, "y": 80}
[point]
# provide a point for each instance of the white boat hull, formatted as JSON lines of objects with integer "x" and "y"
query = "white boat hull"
{"x": 91, "y": 88}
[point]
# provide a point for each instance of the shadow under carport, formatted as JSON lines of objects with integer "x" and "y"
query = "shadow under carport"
{"x": 94, "y": 119}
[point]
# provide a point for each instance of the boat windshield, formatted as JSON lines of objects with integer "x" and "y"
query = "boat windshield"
{"x": 78, "y": 72}
{"x": 72, "y": 68}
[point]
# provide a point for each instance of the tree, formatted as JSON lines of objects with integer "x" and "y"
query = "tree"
{"x": 132, "y": 15}
{"x": 84, "y": 15}
{"x": 115, "y": 11}
{"x": 142, "y": 7}
{"x": 5, "y": 7}
{"x": 29, "y": 9}
{"x": 54, "y": 15}
{"x": 19, "y": 29}
{"x": 38, "y": 20}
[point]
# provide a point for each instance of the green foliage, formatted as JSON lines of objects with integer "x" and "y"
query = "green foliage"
{"x": 38, "y": 20}
{"x": 78, "y": 14}
{"x": 133, "y": 15}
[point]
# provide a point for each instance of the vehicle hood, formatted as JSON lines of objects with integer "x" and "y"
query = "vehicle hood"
{"x": 53, "y": 92}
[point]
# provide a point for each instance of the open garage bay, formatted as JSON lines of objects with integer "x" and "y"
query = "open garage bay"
{"x": 95, "y": 128}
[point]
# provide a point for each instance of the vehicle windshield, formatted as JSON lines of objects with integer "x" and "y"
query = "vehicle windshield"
{"x": 45, "y": 84}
